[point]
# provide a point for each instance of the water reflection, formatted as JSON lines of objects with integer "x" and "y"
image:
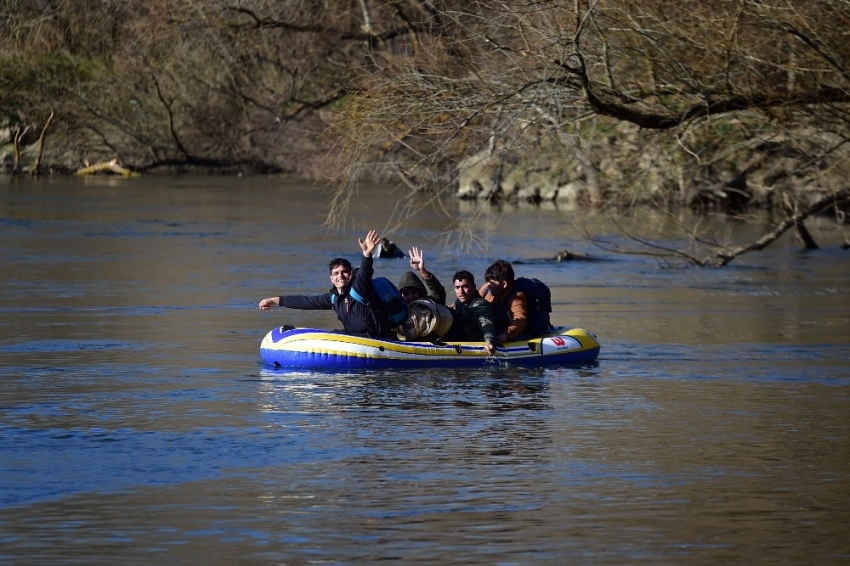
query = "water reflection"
{"x": 403, "y": 389}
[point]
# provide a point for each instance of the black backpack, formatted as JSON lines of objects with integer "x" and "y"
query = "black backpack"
{"x": 538, "y": 297}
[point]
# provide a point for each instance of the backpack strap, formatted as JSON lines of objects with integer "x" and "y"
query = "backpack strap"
{"x": 335, "y": 294}
{"x": 357, "y": 296}
{"x": 352, "y": 292}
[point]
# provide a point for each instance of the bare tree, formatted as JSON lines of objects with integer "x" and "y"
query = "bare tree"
{"x": 720, "y": 104}
{"x": 716, "y": 93}
{"x": 181, "y": 83}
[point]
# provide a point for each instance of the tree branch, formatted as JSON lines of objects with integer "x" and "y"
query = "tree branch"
{"x": 36, "y": 164}
{"x": 724, "y": 258}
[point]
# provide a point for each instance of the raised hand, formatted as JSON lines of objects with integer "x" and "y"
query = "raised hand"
{"x": 369, "y": 243}
{"x": 417, "y": 260}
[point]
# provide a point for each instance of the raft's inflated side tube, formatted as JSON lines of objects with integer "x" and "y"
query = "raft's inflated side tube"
{"x": 323, "y": 349}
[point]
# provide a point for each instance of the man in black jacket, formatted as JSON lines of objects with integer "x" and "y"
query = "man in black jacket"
{"x": 473, "y": 316}
{"x": 358, "y": 318}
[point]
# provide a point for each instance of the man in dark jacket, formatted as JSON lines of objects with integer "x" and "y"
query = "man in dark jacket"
{"x": 473, "y": 316}
{"x": 411, "y": 287}
{"x": 429, "y": 318}
{"x": 356, "y": 317}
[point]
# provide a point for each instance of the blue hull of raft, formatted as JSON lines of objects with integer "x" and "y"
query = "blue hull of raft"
{"x": 309, "y": 348}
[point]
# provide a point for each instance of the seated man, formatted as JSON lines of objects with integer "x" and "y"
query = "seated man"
{"x": 429, "y": 318}
{"x": 357, "y": 317}
{"x": 473, "y": 317}
{"x": 510, "y": 309}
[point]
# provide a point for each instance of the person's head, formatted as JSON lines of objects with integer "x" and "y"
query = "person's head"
{"x": 340, "y": 270}
{"x": 499, "y": 277}
{"x": 411, "y": 288}
{"x": 464, "y": 284}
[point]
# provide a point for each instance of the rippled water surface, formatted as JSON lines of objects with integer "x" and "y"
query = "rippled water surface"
{"x": 139, "y": 426}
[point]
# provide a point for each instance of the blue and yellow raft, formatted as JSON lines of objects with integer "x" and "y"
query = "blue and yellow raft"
{"x": 324, "y": 349}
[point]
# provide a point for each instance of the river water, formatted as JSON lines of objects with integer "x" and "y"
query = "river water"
{"x": 138, "y": 424}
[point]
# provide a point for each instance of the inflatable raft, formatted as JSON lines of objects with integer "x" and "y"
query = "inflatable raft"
{"x": 324, "y": 349}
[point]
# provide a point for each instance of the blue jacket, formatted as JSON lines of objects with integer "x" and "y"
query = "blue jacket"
{"x": 356, "y": 318}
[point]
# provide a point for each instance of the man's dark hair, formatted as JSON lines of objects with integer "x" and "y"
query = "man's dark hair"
{"x": 464, "y": 274}
{"x": 501, "y": 270}
{"x": 337, "y": 261}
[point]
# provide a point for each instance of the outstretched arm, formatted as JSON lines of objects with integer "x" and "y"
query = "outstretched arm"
{"x": 301, "y": 302}
{"x": 483, "y": 313}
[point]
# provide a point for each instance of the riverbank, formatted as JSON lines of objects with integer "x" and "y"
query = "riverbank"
{"x": 625, "y": 167}
{"x": 637, "y": 167}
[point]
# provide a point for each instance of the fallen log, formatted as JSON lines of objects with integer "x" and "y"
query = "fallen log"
{"x": 107, "y": 167}
{"x": 567, "y": 255}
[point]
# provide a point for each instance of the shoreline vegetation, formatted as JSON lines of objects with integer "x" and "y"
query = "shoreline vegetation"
{"x": 727, "y": 107}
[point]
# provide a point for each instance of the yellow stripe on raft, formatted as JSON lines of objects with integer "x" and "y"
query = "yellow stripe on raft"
{"x": 322, "y": 342}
